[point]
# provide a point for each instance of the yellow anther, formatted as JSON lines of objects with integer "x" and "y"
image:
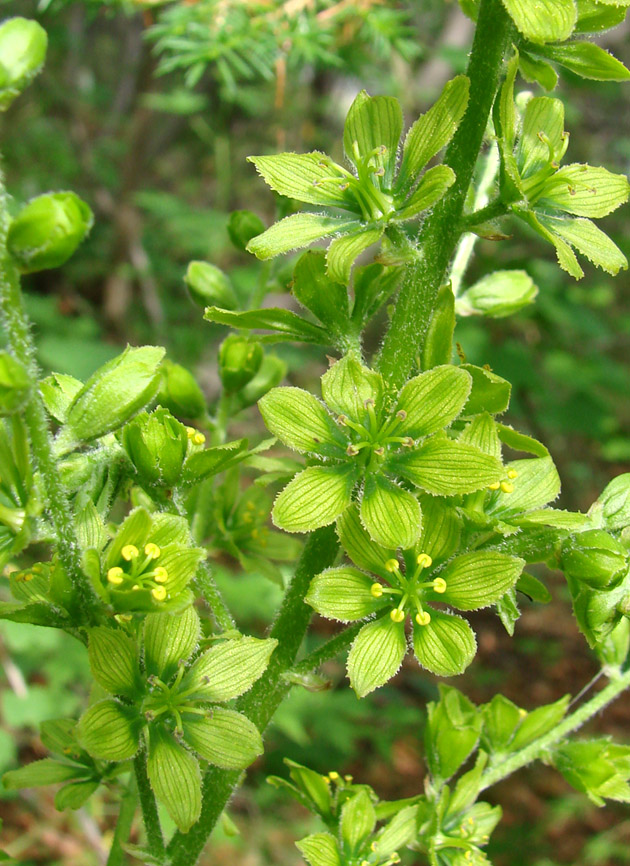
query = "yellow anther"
{"x": 129, "y": 552}
{"x": 333, "y": 776}
{"x": 471, "y": 821}
{"x": 424, "y": 560}
{"x": 160, "y": 574}
{"x": 494, "y": 486}
{"x": 373, "y": 846}
{"x": 136, "y": 586}
{"x": 397, "y": 615}
{"x": 152, "y": 550}
{"x": 190, "y": 432}
{"x": 522, "y": 713}
{"x": 115, "y": 575}
{"x": 376, "y": 590}
{"x": 198, "y": 438}
{"x": 159, "y": 593}
{"x": 326, "y": 779}
{"x": 439, "y": 585}
{"x": 512, "y": 473}
{"x": 348, "y": 778}
{"x": 507, "y": 487}
{"x": 28, "y": 577}
{"x": 468, "y": 855}
{"x": 423, "y": 617}
{"x": 352, "y": 450}
{"x": 391, "y": 565}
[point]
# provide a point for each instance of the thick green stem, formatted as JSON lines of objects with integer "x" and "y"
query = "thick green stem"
{"x": 538, "y": 748}
{"x": 15, "y": 323}
{"x": 261, "y": 702}
{"x": 126, "y": 815}
{"x": 441, "y": 231}
{"x": 150, "y": 816}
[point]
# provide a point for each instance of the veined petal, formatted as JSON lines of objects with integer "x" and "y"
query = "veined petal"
{"x": 446, "y": 646}
{"x": 310, "y": 177}
{"x": 390, "y": 514}
{"x": 433, "y": 400}
{"x": 585, "y": 190}
{"x": 300, "y": 420}
{"x": 446, "y": 468}
{"x": 316, "y": 497}
{"x": 225, "y": 738}
{"x": 589, "y": 240}
{"x": 479, "y": 579}
{"x": 435, "y": 182}
{"x": 376, "y": 655}
{"x": 364, "y": 552}
{"x": 343, "y": 594}
{"x": 373, "y": 123}
{"x": 343, "y": 252}
{"x": 348, "y": 384}
{"x": 297, "y": 231}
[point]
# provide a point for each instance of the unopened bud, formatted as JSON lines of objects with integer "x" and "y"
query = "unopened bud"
{"x": 48, "y": 230}
{"x": 208, "y": 286}
{"x": 23, "y": 45}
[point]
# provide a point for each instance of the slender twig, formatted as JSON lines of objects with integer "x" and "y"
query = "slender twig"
{"x": 126, "y": 815}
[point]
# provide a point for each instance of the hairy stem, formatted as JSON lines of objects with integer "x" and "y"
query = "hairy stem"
{"x": 538, "y": 748}
{"x": 261, "y": 702}
{"x": 16, "y": 326}
{"x": 148, "y": 805}
{"x": 210, "y": 592}
{"x": 126, "y": 815}
{"x": 441, "y": 231}
{"x": 328, "y": 650}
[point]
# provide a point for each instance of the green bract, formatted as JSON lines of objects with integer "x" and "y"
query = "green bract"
{"x": 555, "y": 201}
{"x": 406, "y": 586}
{"x": 378, "y": 193}
{"x": 375, "y": 443}
{"x": 156, "y": 444}
{"x": 169, "y": 705}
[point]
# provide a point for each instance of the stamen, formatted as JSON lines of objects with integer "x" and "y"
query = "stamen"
{"x": 494, "y": 486}
{"x": 115, "y": 575}
{"x": 380, "y": 451}
{"x": 348, "y": 778}
{"x": 152, "y": 550}
{"x": 507, "y": 487}
{"x": 392, "y": 565}
{"x": 352, "y": 450}
{"x": 160, "y": 574}
{"x": 333, "y": 776}
{"x": 158, "y": 593}
{"x": 401, "y": 415}
{"x": 439, "y": 585}
{"x": 424, "y": 560}
{"x": 198, "y": 439}
{"x": 376, "y": 590}
{"x": 512, "y": 473}
{"x": 423, "y": 617}
{"x": 129, "y": 552}
{"x": 397, "y": 615}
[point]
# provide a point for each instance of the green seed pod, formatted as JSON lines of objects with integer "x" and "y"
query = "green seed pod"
{"x": 156, "y": 444}
{"x": 180, "y": 393}
{"x": 594, "y": 558}
{"x": 15, "y": 384}
{"x": 23, "y": 45}
{"x": 242, "y": 226}
{"x": 208, "y": 286}
{"x": 239, "y": 361}
{"x": 48, "y": 230}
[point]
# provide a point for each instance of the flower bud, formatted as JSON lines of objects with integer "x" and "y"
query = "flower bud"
{"x": 208, "y": 286}
{"x": 156, "y": 444}
{"x": 272, "y": 371}
{"x": 500, "y": 294}
{"x": 14, "y": 384}
{"x": 239, "y": 361}
{"x": 594, "y": 558}
{"x": 180, "y": 393}
{"x": 23, "y": 46}
{"x": 614, "y": 503}
{"x": 242, "y": 226}
{"x": 48, "y": 230}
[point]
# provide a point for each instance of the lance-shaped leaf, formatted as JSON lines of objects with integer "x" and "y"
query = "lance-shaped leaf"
{"x": 175, "y": 779}
{"x": 589, "y": 240}
{"x": 587, "y": 60}
{"x": 537, "y": 483}
{"x": 74, "y": 795}
{"x": 358, "y": 820}
{"x": 435, "y": 182}
{"x": 229, "y": 669}
{"x": 314, "y": 289}
{"x": 316, "y": 497}
{"x": 40, "y": 773}
{"x": 376, "y": 655}
{"x": 433, "y": 130}
{"x": 373, "y": 127}
{"x": 211, "y": 461}
{"x": 305, "y": 177}
{"x": 359, "y": 546}
{"x": 597, "y": 15}
{"x": 344, "y": 251}
{"x": 110, "y": 731}
{"x": 348, "y": 384}
{"x": 479, "y": 579}
{"x": 390, "y": 514}
{"x": 539, "y": 722}
{"x": 398, "y": 833}
{"x": 446, "y": 646}
{"x": 543, "y": 122}
{"x": 114, "y": 661}
{"x": 544, "y": 20}
{"x": 532, "y": 68}
{"x": 565, "y": 255}
{"x": 446, "y": 468}
{"x": 432, "y": 400}
{"x": 225, "y": 738}
{"x": 585, "y": 190}
{"x": 168, "y": 640}
{"x": 320, "y": 849}
{"x": 343, "y": 594}
{"x": 299, "y": 420}
{"x": 285, "y": 324}
{"x": 297, "y": 231}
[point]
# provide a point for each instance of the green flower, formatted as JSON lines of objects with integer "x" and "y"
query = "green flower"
{"x": 170, "y": 704}
{"x": 407, "y": 587}
{"x": 373, "y": 444}
{"x": 377, "y": 194}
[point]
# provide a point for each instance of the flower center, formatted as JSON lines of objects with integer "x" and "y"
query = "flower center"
{"x": 140, "y": 571}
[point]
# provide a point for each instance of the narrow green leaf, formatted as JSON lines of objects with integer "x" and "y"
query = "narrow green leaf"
{"x": 344, "y": 251}
{"x": 347, "y": 385}
{"x": 320, "y": 849}
{"x": 534, "y": 69}
{"x": 297, "y": 231}
{"x": 594, "y": 16}
{"x": 39, "y": 773}
{"x": 114, "y": 661}
{"x": 446, "y": 646}
{"x": 433, "y": 130}
{"x": 398, "y": 833}
{"x": 446, "y": 468}
{"x": 538, "y": 723}
{"x": 300, "y": 420}
{"x": 343, "y": 594}
{"x": 376, "y": 655}
{"x": 521, "y": 442}
{"x": 300, "y": 176}
{"x": 358, "y": 820}
{"x": 589, "y": 240}
{"x": 168, "y": 640}
{"x": 211, "y": 461}
{"x": 565, "y": 255}
{"x": 316, "y": 497}
{"x": 374, "y": 122}
{"x": 175, "y": 779}
{"x": 451, "y": 733}
{"x": 110, "y": 731}
{"x": 501, "y": 717}
{"x": 74, "y": 795}
{"x": 432, "y": 187}
{"x": 284, "y": 323}
{"x": 533, "y": 588}
{"x": 478, "y": 579}
{"x": 587, "y": 60}
{"x": 390, "y": 514}
{"x": 225, "y": 738}
{"x": 432, "y": 400}
{"x": 364, "y": 552}
{"x": 543, "y": 20}
{"x": 229, "y": 668}
{"x": 489, "y": 393}
{"x": 585, "y": 190}
{"x": 438, "y": 343}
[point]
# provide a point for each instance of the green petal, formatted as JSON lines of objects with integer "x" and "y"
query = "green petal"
{"x": 225, "y": 738}
{"x": 358, "y": 820}
{"x": 589, "y": 240}
{"x": 344, "y": 251}
{"x": 544, "y": 20}
{"x": 482, "y": 433}
{"x": 343, "y": 594}
{"x": 542, "y": 114}
{"x": 110, "y": 731}
{"x": 446, "y": 468}
{"x": 376, "y": 655}
{"x": 299, "y": 420}
{"x": 587, "y": 60}
{"x": 297, "y": 231}
{"x": 537, "y": 484}
{"x": 476, "y": 580}
{"x": 175, "y": 779}
{"x": 490, "y": 393}
{"x": 585, "y": 190}
{"x": 299, "y": 176}
{"x": 348, "y": 384}
{"x": 364, "y": 552}
{"x": 441, "y": 529}
{"x": 320, "y": 849}
{"x": 432, "y": 400}
{"x": 316, "y": 497}
{"x": 113, "y": 661}
{"x": 434, "y": 184}
{"x": 446, "y": 646}
{"x": 228, "y": 669}
{"x": 565, "y": 255}
{"x": 168, "y": 639}
{"x": 181, "y": 564}
{"x": 374, "y": 122}
{"x": 390, "y": 514}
